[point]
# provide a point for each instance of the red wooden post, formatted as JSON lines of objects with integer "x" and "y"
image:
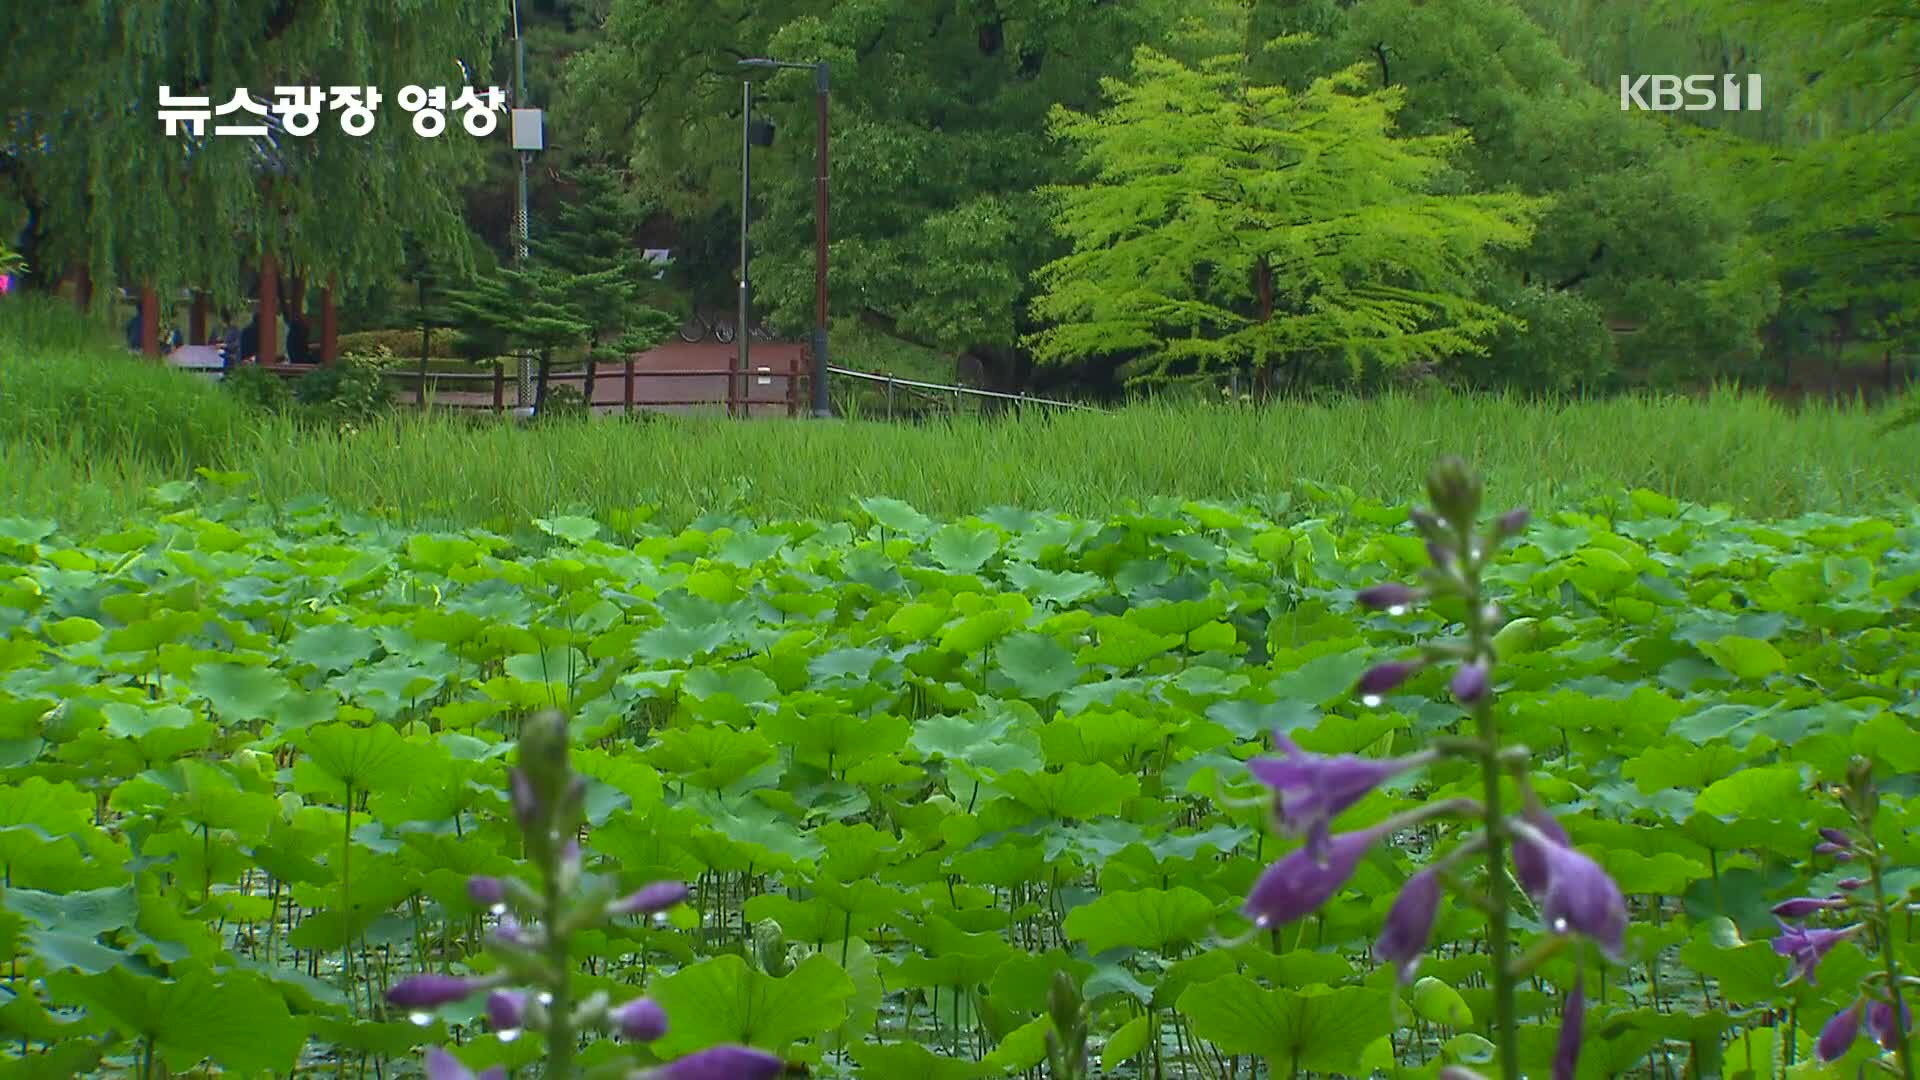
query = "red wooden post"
{"x": 149, "y": 321}
{"x": 269, "y": 347}
{"x": 329, "y": 327}
{"x": 197, "y": 319}
{"x": 499, "y": 387}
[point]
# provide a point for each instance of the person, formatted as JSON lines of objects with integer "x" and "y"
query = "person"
{"x": 229, "y": 341}
{"x": 133, "y": 332}
{"x": 299, "y": 349}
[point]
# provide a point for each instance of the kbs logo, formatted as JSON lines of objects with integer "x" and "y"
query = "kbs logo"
{"x": 1693, "y": 93}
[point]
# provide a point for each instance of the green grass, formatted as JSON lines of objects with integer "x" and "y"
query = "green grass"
{"x": 88, "y": 430}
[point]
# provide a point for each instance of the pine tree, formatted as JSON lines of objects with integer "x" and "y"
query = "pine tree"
{"x": 431, "y": 308}
{"x": 591, "y": 243}
{"x": 519, "y": 310}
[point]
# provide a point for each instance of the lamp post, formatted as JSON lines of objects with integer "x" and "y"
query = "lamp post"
{"x": 822, "y": 407}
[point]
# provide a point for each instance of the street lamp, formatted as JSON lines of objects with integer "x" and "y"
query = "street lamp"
{"x": 822, "y": 408}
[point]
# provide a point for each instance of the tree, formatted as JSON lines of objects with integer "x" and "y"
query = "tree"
{"x": 939, "y": 143}
{"x": 519, "y": 310}
{"x": 1835, "y": 212}
{"x": 1229, "y": 226}
{"x": 591, "y": 243}
{"x": 1642, "y": 228}
{"x": 86, "y": 159}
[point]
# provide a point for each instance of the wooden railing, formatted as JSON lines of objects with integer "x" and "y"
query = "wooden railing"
{"x": 737, "y": 396}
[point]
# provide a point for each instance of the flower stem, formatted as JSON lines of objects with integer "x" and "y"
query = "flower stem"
{"x": 1499, "y": 894}
{"x": 1901, "y": 1041}
{"x": 560, "y": 1033}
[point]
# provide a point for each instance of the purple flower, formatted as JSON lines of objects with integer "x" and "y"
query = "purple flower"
{"x": 1310, "y": 790}
{"x": 1511, "y": 523}
{"x": 1573, "y": 1022}
{"x": 486, "y": 891}
{"x": 650, "y": 899}
{"x": 1410, "y": 924}
{"x": 433, "y": 991}
{"x": 1880, "y": 1023}
{"x": 1529, "y": 860}
{"x": 1383, "y": 677}
{"x": 723, "y": 1063}
{"x": 640, "y": 1020}
{"x": 1838, "y": 1034}
{"x": 1470, "y": 683}
{"x": 1849, "y": 884}
{"x": 1297, "y": 885}
{"x": 526, "y": 804}
{"x": 1579, "y": 896}
{"x": 1836, "y": 837}
{"x": 1441, "y": 554}
{"x": 510, "y": 932}
{"x": 1802, "y": 906}
{"x": 1389, "y": 595}
{"x": 444, "y": 1066}
{"x": 1838, "y": 851}
{"x": 1807, "y": 947}
{"x": 506, "y": 1010}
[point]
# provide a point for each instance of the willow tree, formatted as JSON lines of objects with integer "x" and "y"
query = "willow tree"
{"x": 1232, "y": 226}
{"x": 88, "y": 164}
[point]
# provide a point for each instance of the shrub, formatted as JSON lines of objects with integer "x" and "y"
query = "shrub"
{"x": 442, "y": 345}
{"x": 351, "y": 391}
{"x": 258, "y": 388}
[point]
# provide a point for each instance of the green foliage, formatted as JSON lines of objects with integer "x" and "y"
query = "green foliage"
{"x": 83, "y": 151}
{"x": 1233, "y": 226}
{"x": 1030, "y": 857}
{"x": 258, "y": 388}
{"x": 401, "y": 343}
{"x": 68, "y": 385}
{"x": 353, "y": 390}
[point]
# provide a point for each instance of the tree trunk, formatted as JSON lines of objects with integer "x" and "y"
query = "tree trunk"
{"x": 540, "y": 383}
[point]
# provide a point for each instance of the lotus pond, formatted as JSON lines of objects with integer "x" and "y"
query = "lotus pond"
{"x": 912, "y": 769}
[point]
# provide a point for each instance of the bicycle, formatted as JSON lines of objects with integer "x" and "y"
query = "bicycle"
{"x": 698, "y": 328}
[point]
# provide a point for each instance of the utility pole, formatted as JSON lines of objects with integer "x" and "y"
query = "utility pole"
{"x": 523, "y": 381}
{"x": 736, "y": 372}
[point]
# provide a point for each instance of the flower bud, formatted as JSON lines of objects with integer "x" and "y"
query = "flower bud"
{"x": 1880, "y": 1024}
{"x": 1838, "y": 1034}
{"x": 1410, "y": 925}
{"x": 506, "y": 1010}
{"x": 1384, "y": 677}
{"x": 640, "y": 1020}
{"x": 1850, "y": 884}
{"x": 486, "y": 891}
{"x": 651, "y": 899}
{"x": 1802, "y": 906}
{"x": 1429, "y": 524}
{"x": 1512, "y": 523}
{"x": 1459, "y": 1072}
{"x": 1470, "y": 683}
{"x": 431, "y": 991}
{"x": 1387, "y": 596}
{"x": 1454, "y": 488}
{"x": 1440, "y": 554}
{"x": 1836, "y": 837}
{"x": 722, "y": 1063}
{"x": 1840, "y": 854}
